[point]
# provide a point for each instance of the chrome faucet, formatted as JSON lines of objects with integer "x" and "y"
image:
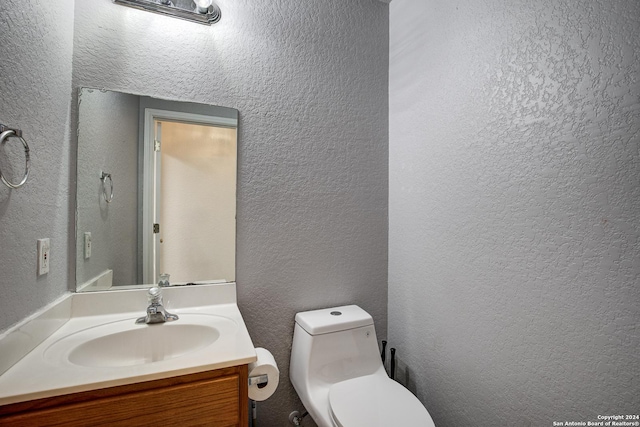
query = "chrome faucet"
{"x": 156, "y": 312}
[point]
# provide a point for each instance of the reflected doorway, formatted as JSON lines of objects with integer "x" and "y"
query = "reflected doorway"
{"x": 190, "y": 189}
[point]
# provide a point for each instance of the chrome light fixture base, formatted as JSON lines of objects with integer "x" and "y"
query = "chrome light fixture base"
{"x": 183, "y": 9}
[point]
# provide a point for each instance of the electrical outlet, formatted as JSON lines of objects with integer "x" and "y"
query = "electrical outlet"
{"x": 44, "y": 253}
{"x": 87, "y": 245}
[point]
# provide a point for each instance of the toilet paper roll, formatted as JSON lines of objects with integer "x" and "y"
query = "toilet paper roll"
{"x": 266, "y": 364}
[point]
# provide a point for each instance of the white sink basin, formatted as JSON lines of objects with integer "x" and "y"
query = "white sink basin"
{"x": 89, "y": 341}
{"x": 125, "y": 343}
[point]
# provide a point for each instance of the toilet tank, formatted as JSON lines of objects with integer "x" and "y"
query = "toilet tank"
{"x": 332, "y": 345}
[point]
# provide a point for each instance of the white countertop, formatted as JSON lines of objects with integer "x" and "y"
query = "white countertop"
{"x": 38, "y": 375}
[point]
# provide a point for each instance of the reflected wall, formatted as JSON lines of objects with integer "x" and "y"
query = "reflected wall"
{"x": 108, "y": 135}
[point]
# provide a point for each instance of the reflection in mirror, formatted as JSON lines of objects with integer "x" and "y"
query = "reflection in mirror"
{"x": 156, "y": 191}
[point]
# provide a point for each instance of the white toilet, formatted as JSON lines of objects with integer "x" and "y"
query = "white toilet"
{"x": 338, "y": 374}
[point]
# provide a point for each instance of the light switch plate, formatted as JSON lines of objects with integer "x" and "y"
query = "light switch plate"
{"x": 87, "y": 245}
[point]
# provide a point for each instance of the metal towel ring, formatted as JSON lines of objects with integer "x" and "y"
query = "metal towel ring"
{"x": 4, "y": 136}
{"x": 103, "y": 178}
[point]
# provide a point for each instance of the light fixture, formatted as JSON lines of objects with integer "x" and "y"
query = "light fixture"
{"x": 201, "y": 11}
{"x": 202, "y": 6}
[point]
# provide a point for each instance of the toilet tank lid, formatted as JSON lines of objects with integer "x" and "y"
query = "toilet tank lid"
{"x": 324, "y": 321}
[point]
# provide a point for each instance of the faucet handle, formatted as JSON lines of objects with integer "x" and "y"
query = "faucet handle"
{"x": 155, "y": 295}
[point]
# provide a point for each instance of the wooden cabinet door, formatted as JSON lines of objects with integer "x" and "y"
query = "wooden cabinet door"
{"x": 204, "y": 399}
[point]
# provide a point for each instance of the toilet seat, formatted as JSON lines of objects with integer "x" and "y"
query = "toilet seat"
{"x": 375, "y": 401}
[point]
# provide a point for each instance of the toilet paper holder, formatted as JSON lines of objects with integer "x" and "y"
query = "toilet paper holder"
{"x": 258, "y": 380}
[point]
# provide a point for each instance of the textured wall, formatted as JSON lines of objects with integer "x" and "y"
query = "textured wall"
{"x": 36, "y": 40}
{"x": 514, "y": 255}
{"x": 108, "y": 142}
{"x": 310, "y": 80}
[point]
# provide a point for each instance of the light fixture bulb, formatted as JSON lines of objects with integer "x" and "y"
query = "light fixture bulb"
{"x": 202, "y": 6}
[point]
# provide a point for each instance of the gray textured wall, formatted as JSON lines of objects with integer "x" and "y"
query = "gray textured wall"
{"x": 310, "y": 80}
{"x": 108, "y": 142}
{"x": 36, "y": 42}
{"x": 514, "y": 254}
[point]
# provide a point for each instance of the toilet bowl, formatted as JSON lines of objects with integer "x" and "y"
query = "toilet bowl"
{"x": 338, "y": 374}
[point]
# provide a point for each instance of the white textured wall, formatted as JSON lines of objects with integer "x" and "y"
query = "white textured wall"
{"x": 310, "y": 79}
{"x": 514, "y": 252}
{"x": 108, "y": 142}
{"x": 36, "y": 41}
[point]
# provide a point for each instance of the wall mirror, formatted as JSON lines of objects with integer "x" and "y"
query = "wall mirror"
{"x": 156, "y": 191}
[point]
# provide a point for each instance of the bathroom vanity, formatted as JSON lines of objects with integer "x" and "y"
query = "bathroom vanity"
{"x": 87, "y": 359}
{"x": 101, "y": 368}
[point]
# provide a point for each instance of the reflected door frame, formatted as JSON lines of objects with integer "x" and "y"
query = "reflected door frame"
{"x": 151, "y": 180}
